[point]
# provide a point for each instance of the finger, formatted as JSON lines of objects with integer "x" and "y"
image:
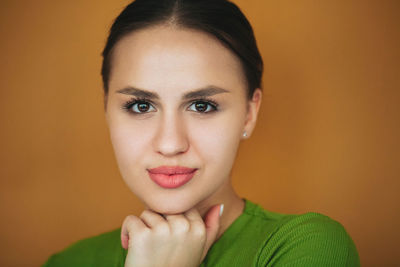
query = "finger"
{"x": 212, "y": 222}
{"x": 152, "y": 219}
{"x": 197, "y": 225}
{"x": 178, "y": 223}
{"x": 131, "y": 224}
{"x": 193, "y": 215}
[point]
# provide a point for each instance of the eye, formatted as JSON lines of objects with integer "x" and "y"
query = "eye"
{"x": 139, "y": 106}
{"x": 202, "y": 106}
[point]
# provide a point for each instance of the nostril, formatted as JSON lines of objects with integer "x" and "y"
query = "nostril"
{"x": 171, "y": 144}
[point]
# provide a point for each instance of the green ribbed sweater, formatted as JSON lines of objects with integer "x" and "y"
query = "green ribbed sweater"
{"x": 256, "y": 238}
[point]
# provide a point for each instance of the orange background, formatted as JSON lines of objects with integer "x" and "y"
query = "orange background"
{"x": 327, "y": 139}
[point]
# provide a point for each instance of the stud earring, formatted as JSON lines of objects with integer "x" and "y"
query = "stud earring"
{"x": 244, "y": 134}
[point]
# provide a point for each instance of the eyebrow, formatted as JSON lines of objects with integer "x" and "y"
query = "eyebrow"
{"x": 197, "y": 93}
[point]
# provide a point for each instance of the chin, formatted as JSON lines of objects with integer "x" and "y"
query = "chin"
{"x": 169, "y": 209}
{"x": 170, "y": 205}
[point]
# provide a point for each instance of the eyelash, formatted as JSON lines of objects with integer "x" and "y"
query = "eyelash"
{"x": 129, "y": 104}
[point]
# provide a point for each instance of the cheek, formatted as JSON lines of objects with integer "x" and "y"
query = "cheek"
{"x": 217, "y": 140}
{"x": 130, "y": 141}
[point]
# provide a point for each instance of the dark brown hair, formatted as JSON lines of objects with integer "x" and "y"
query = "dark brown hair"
{"x": 220, "y": 18}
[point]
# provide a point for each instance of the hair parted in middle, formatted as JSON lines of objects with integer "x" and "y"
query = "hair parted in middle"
{"x": 221, "y": 19}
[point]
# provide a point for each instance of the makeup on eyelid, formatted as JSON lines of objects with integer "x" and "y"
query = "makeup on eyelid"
{"x": 136, "y": 101}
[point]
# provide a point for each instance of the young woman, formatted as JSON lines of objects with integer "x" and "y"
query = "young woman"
{"x": 182, "y": 83}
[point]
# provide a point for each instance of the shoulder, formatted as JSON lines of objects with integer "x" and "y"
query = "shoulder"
{"x": 104, "y": 248}
{"x": 309, "y": 239}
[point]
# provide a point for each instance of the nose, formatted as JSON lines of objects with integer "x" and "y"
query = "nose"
{"x": 171, "y": 138}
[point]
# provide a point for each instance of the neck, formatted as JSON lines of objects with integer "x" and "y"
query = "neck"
{"x": 233, "y": 205}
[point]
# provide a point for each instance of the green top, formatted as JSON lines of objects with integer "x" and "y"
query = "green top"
{"x": 256, "y": 238}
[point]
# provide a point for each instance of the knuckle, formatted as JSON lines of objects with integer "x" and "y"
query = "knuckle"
{"x": 131, "y": 217}
{"x": 129, "y": 221}
{"x": 162, "y": 229}
{"x": 198, "y": 229}
{"x": 133, "y": 226}
{"x": 181, "y": 225}
{"x": 144, "y": 213}
{"x": 141, "y": 235}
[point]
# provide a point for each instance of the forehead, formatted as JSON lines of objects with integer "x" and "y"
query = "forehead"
{"x": 165, "y": 57}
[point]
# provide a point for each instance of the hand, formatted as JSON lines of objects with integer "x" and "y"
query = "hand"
{"x": 170, "y": 240}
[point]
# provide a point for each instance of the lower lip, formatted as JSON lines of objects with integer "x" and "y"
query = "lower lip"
{"x": 171, "y": 181}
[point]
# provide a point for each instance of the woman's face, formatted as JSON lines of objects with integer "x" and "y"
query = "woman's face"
{"x": 191, "y": 112}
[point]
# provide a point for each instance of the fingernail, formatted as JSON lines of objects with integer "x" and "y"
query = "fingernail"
{"x": 221, "y": 209}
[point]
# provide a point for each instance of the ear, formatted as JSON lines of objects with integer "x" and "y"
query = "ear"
{"x": 253, "y": 106}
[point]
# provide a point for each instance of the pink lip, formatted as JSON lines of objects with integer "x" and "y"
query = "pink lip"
{"x": 171, "y": 176}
